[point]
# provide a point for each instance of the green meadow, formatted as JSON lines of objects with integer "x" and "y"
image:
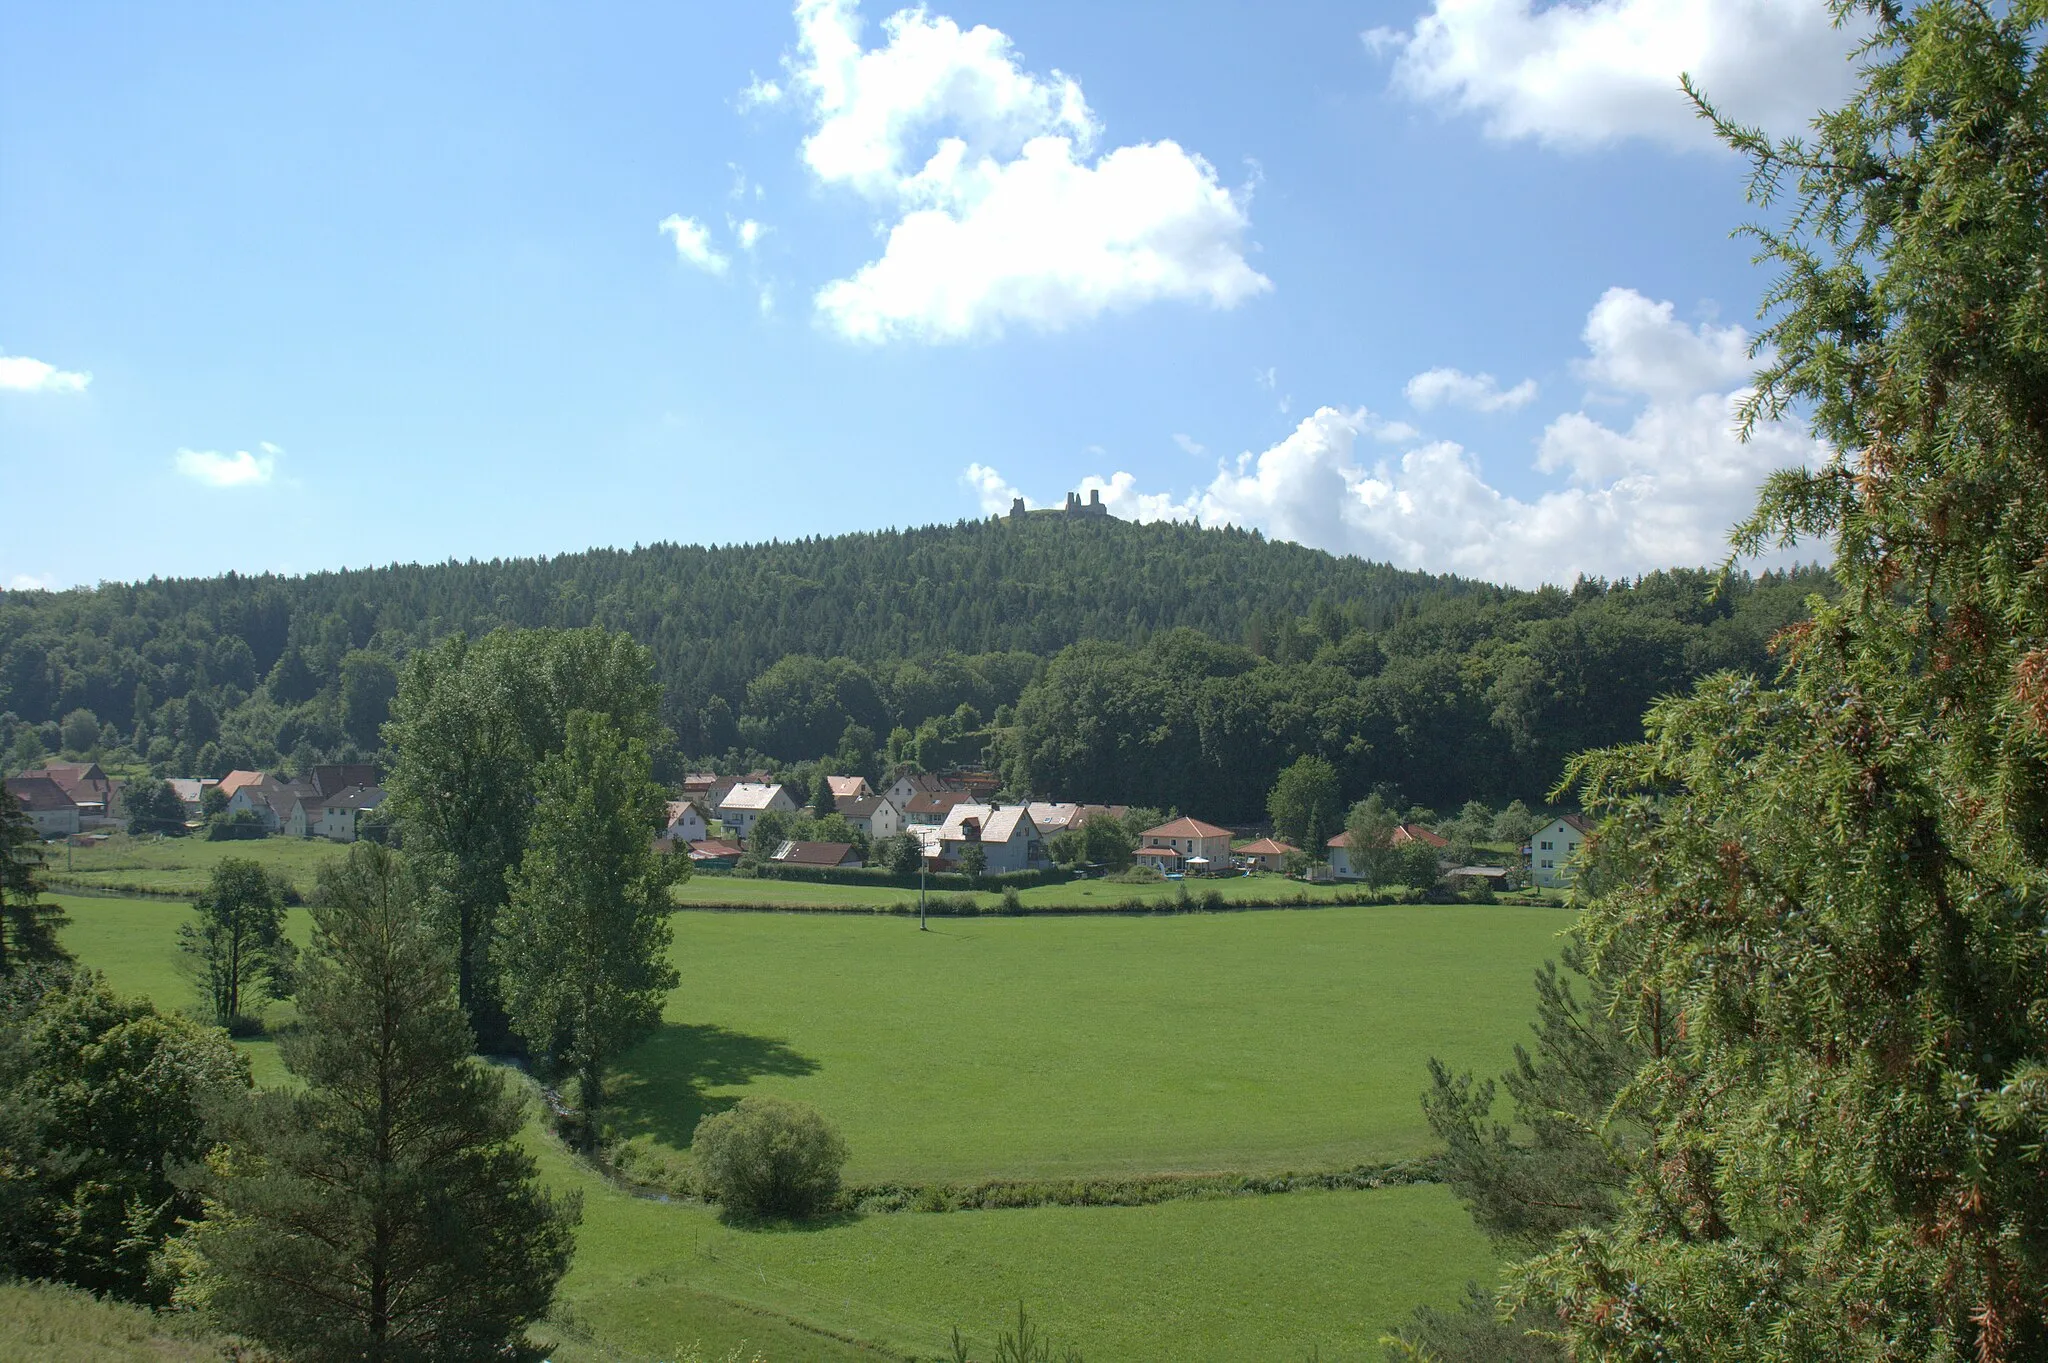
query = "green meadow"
{"x": 1034, "y": 1047}
{"x": 159, "y": 865}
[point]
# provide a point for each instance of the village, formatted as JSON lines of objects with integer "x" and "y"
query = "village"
{"x": 952, "y": 822}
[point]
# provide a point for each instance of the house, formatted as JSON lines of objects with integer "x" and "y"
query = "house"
{"x": 294, "y": 807}
{"x": 931, "y": 811}
{"x": 714, "y": 854}
{"x": 831, "y": 854}
{"x": 334, "y": 777}
{"x": 1552, "y": 848}
{"x": 1405, "y": 833}
{"x": 747, "y": 801}
{"x": 49, "y": 806}
{"x": 236, "y": 780}
{"x": 686, "y": 822}
{"x": 699, "y": 783}
{"x": 1198, "y": 844}
{"x": 88, "y": 787}
{"x": 1084, "y": 814}
{"x": 872, "y": 814}
{"x": 189, "y": 790}
{"x": 1051, "y": 816}
{"x": 844, "y": 786}
{"x": 1268, "y": 854}
{"x": 1160, "y": 859}
{"x": 1340, "y": 857}
{"x": 1009, "y": 840}
{"x": 334, "y": 816}
{"x": 910, "y": 784}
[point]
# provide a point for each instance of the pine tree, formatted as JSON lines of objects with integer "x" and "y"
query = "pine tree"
{"x": 386, "y": 1211}
{"x": 582, "y": 946}
{"x": 28, "y": 926}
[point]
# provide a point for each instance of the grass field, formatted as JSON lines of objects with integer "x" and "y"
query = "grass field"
{"x": 182, "y": 865}
{"x": 1031, "y": 1047}
{"x": 1095, "y": 1045}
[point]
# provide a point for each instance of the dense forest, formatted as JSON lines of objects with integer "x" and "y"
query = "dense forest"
{"x": 1164, "y": 664}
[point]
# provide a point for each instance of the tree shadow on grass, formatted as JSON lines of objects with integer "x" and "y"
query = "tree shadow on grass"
{"x": 659, "y": 1088}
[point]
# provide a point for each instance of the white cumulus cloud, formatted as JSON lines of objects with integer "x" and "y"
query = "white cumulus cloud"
{"x": 1481, "y": 392}
{"x": 747, "y": 232}
{"x": 240, "y": 469}
{"x": 693, "y": 243}
{"x": 1585, "y": 72}
{"x": 1659, "y": 490}
{"x": 1003, "y": 210}
{"x": 20, "y": 374}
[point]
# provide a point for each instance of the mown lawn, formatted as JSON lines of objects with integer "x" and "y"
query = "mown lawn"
{"x": 722, "y": 890}
{"x": 181, "y": 865}
{"x": 1094, "y": 1045}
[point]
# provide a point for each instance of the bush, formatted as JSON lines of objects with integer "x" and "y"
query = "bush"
{"x": 242, "y": 824}
{"x": 1012, "y": 905}
{"x": 769, "y": 1157}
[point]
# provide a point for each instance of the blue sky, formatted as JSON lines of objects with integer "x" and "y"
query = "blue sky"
{"x": 288, "y": 288}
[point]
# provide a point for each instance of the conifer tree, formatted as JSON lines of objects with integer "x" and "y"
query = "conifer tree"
{"x": 582, "y": 947}
{"x": 28, "y": 926}
{"x": 1838, "y": 885}
{"x": 385, "y": 1211}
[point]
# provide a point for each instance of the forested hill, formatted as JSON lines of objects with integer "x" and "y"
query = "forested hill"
{"x": 715, "y": 617}
{"x": 1102, "y": 659}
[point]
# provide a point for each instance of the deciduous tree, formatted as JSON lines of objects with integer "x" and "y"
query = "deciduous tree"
{"x": 583, "y": 945}
{"x": 1304, "y": 805}
{"x": 237, "y": 948}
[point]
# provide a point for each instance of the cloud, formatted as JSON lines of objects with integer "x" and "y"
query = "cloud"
{"x": 1580, "y": 73}
{"x": 32, "y": 582}
{"x": 1436, "y": 387}
{"x": 994, "y": 494}
{"x": 240, "y": 469}
{"x": 759, "y": 92}
{"x": 20, "y": 374}
{"x": 1188, "y": 444}
{"x": 1661, "y": 489}
{"x": 693, "y": 243}
{"x": 747, "y": 232}
{"x": 1003, "y": 211}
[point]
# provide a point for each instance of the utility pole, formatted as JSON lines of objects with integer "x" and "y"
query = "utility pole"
{"x": 920, "y": 887}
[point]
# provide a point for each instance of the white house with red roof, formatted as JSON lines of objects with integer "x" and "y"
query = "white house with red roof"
{"x": 1552, "y": 848}
{"x": 1194, "y": 842}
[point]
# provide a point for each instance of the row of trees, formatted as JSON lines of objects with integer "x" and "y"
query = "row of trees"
{"x": 1796, "y": 1107}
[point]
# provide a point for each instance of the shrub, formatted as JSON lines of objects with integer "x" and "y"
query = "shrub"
{"x": 769, "y": 1157}
{"x": 1012, "y": 905}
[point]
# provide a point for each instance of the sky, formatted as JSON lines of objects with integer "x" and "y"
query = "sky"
{"x": 1448, "y": 283}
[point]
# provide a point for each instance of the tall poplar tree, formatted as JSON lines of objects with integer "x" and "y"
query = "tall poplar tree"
{"x": 472, "y": 720}
{"x": 1838, "y": 885}
{"x": 582, "y": 949}
{"x": 386, "y": 1211}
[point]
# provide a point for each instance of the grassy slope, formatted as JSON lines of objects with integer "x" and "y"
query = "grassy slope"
{"x": 1090, "y": 1045}
{"x": 63, "y": 1325}
{"x": 1254, "y": 1279}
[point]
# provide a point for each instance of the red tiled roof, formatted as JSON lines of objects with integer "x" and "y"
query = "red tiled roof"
{"x": 1341, "y": 840}
{"x": 1162, "y": 852}
{"x": 1415, "y": 832}
{"x": 235, "y": 780}
{"x": 1187, "y": 828}
{"x": 705, "y": 849}
{"x": 1584, "y": 825}
{"x": 941, "y": 803}
{"x": 1267, "y": 847}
